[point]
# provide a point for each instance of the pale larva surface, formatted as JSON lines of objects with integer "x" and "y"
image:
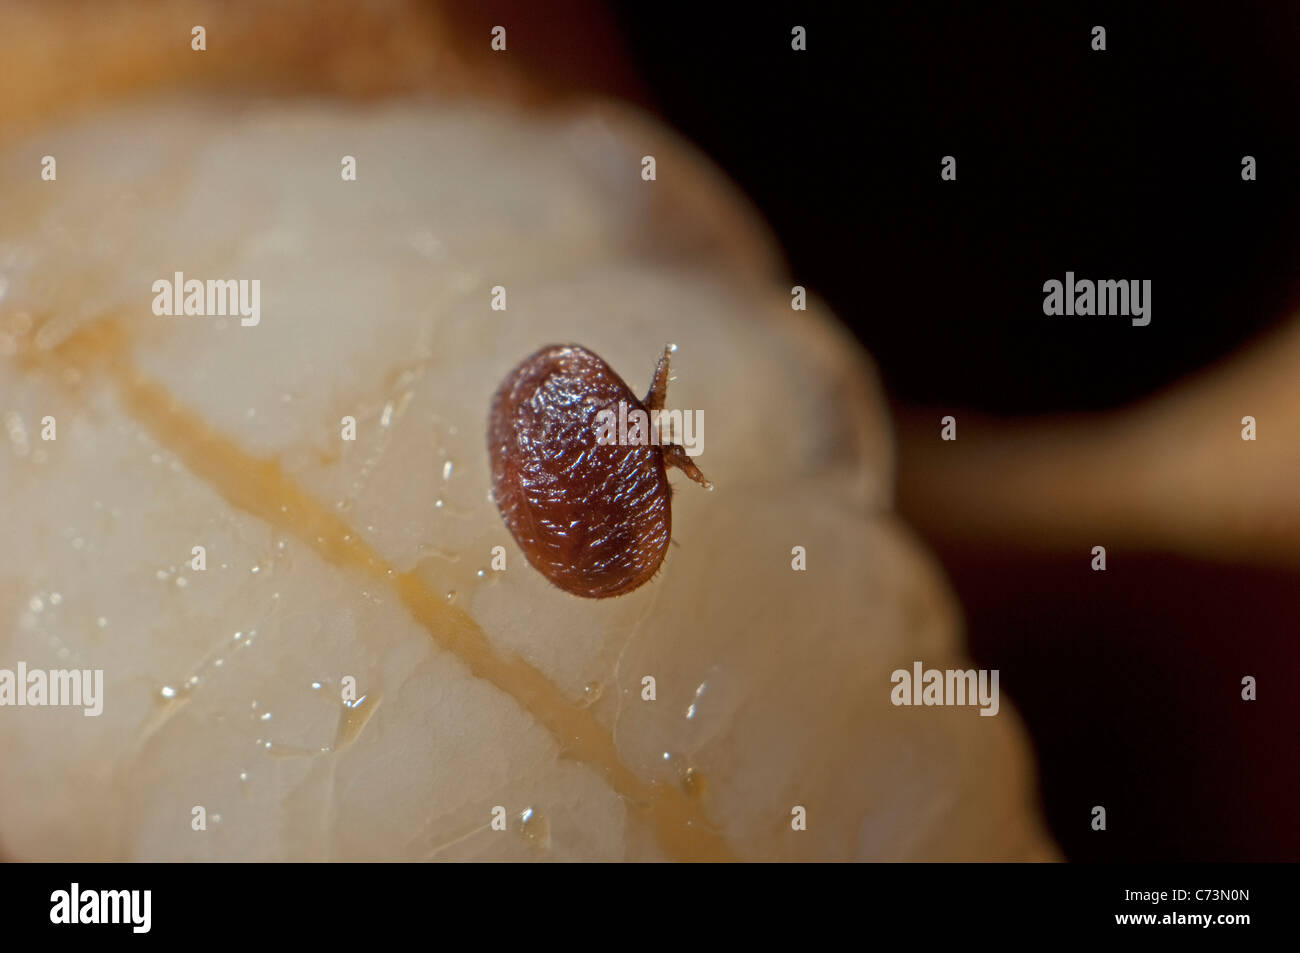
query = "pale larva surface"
{"x": 372, "y": 559}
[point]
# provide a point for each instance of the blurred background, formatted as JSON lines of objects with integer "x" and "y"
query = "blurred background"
{"x": 1073, "y": 431}
{"x": 1123, "y": 163}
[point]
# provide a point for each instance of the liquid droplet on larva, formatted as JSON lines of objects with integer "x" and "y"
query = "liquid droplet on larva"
{"x": 693, "y": 708}
{"x": 534, "y": 828}
{"x": 354, "y": 716}
{"x": 692, "y": 783}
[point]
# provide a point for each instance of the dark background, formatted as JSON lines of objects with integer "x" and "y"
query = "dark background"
{"x": 1117, "y": 164}
{"x": 1123, "y": 163}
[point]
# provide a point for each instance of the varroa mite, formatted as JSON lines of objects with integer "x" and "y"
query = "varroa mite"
{"x": 594, "y": 518}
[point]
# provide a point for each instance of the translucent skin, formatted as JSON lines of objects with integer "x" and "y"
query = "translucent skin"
{"x": 593, "y": 519}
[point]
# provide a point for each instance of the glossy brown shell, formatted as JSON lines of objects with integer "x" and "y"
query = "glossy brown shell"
{"x": 593, "y": 519}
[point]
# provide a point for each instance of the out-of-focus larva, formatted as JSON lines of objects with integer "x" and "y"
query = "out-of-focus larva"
{"x": 593, "y": 516}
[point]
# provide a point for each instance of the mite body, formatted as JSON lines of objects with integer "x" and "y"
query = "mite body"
{"x": 594, "y": 518}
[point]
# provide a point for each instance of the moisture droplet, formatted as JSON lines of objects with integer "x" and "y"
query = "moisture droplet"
{"x": 353, "y": 719}
{"x": 533, "y": 827}
{"x": 591, "y": 693}
{"x": 692, "y": 783}
{"x": 168, "y": 692}
{"x": 481, "y": 573}
{"x": 55, "y": 598}
{"x": 447, "y": 467}
{"x": 451, "y": 596}
{"x": 243, "y": 776}
{"x": 699, "y": 691}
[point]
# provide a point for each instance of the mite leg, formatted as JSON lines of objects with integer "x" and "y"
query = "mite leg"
{"x": 654, "y": 400}
{"x": 675, "y": 456}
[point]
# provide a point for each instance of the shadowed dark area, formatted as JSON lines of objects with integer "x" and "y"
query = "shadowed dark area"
{"x": 1130, "y": 682}
{"x": 1117, "y": 164}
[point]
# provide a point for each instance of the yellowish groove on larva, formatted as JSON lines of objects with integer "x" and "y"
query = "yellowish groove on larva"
{"x": 261, "y": 487}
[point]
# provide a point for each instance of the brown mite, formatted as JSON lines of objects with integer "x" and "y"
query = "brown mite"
{"x": 594, "y": 518}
